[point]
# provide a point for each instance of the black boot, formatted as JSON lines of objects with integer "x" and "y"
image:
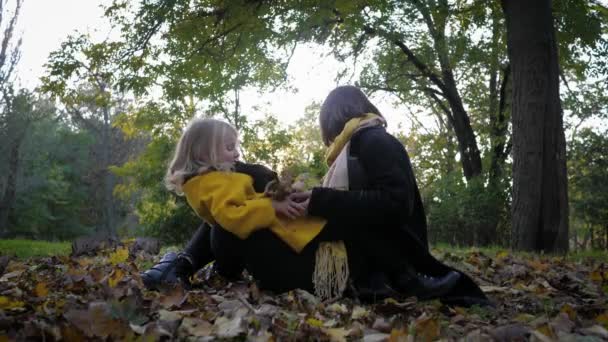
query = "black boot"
{"x": 171, "y": 269}
{"x": 374, "y": 289}
{"x": 162, "y": 272}
{"x": 425, "y": 287}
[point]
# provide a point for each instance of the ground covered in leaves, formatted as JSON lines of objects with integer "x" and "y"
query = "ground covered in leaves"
{"x": 102, "y": 297}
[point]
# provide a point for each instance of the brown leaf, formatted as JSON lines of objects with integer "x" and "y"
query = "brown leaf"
{"x": 512, "y": 332}
{"x": 174, "y": 298}
{"x": 195, "y": 327}
{"x": 229, "y": 327}
{"x": 427, "y": 328}
{"x": 96, "y": 321}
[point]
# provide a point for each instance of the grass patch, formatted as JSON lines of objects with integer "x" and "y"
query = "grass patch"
{"x": 492, "y": 251}
{"x": 34, "y": 248}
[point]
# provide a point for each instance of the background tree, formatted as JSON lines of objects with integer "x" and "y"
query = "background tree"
{"x": 81, "y": 76}
{"x": 540, "y": 197}
{"x": 588, "y": 191}
{"x": 13, "y": 117}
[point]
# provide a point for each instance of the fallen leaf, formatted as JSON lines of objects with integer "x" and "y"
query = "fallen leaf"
{"x": 115, "y": 277}
{"x": 119, "y": 256}
{"x": 597, "y": 331}
{"x": 547, "y": 331}
{"x": 336, "y": 334}
{"x": 314, "y": 322}
{"x": 7, "y": 304}
{"x": 337, "y": 308}
{"x": 228, "y": 328}
{"x": 491, "y": 288}
{"x": 96, "y": 321}
{"x": 427, "y": 328}
{"x": 174, "y": 298}
{"x": 359, "y": 312}
{"x": 41, "y": 290}
{"x": 512, "y": 332}
{"x": 376, "y": 337}
{"x": 568, "y": 310}
{"x": 603, "y": 319}
{"x": 195, "y": 327}
{"x": 398, "y": 335}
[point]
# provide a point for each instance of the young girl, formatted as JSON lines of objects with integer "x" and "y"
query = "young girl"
{"x": 203, "y": 169}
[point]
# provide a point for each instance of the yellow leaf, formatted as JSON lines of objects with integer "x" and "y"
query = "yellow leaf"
{"x": 603, "y": 319}
{"x": 502, "y": 255}
{"x": 568, "y": 310}
{"x": 524, "y": 318}
{"x": 314, "y": 322}
{"x": 336, "y": 334}
{"x": 398, "y": 335}
{"x": 41, "y": 290}
{"x": 596, "y": 276}
{"x": 119, "y": 256}
{"x": 427, "y": 329}
{"x": 7, "y": 304}
{"x": 115, "y": 277}
{"x": 546, "y": 330}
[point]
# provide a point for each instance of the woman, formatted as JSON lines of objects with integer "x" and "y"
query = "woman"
{"x": 382, "y": 204}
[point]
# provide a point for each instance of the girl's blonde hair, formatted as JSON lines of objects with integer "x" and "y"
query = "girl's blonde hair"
{"x": 198, "y": 151}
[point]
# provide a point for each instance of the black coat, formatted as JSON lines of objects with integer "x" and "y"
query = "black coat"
{"x": 384, "y": 215}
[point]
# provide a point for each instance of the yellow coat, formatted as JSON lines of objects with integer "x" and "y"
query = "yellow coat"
{"x": 229, "y": 200}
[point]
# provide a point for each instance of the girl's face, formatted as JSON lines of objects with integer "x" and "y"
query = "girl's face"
{"x": 228, "y": 150}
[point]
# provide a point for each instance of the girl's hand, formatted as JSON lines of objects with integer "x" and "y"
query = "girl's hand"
{"x": 289, "y": 208}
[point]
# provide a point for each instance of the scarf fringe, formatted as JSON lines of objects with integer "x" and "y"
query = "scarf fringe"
{"x": 331, "y": 272}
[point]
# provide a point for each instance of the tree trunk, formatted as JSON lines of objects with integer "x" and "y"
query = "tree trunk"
{"x": 470, "y": 157}
{"x": 540, "y": 198}
{"x": 108, "y": 181}
{"x": 8, "y": 199}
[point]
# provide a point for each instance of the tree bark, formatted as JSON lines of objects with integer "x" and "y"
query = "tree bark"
{"x": 540, "y": 198}
{"x": 10, "y": 191}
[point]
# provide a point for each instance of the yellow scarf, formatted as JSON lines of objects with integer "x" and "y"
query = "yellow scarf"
{"x": 344, "y": 137}
{"x": 331, "y": 265}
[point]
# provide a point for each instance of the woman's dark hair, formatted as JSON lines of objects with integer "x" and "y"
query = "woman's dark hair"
{"x": 341, "y": 105}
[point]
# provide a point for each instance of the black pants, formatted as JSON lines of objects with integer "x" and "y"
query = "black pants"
{"x": 278, "y": 268}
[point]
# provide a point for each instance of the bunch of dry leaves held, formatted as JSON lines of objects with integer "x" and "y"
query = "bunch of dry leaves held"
{"x": 101, "y": 297}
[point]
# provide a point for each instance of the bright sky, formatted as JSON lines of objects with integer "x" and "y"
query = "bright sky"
{"x": 45, "y": 24}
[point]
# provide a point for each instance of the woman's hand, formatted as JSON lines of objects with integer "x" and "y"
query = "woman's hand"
{"x": 302, "y": 197}
{"x": 289, "y": 208}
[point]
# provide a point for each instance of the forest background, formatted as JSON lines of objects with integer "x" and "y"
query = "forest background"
{"x": 85, "y": 149}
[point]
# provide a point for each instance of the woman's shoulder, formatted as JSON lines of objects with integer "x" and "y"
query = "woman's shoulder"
{"x": 374, "y": 138}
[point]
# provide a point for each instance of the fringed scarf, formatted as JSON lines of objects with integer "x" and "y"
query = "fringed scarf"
{"x": 331, "y": 272}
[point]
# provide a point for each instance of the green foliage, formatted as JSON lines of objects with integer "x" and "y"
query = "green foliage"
{"x": 52, "y": 196}
{"x": 463, "y": 214}
{"x": 588, "y": 190}
{"x": 34, "y": 248}
{"x": 263, "y": 141}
